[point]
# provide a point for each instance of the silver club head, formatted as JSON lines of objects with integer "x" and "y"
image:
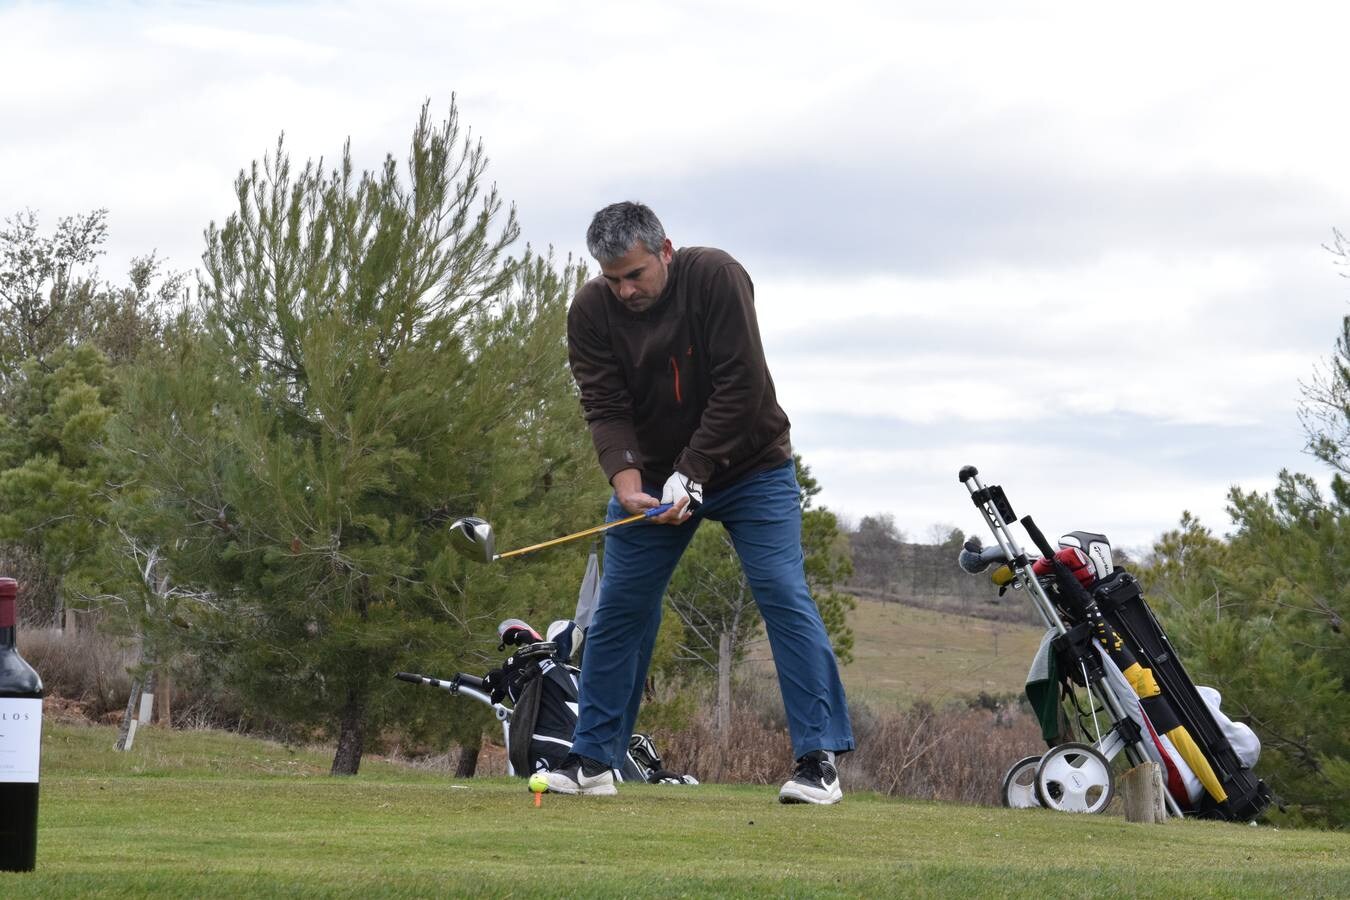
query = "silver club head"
{"x": 472, "y": 538}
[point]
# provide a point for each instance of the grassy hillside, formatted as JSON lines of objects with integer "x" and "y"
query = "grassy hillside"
{"x": 902, "y": 653}
{"x": 199, "y": 814}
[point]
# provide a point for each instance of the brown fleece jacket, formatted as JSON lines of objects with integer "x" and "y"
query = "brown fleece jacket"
{"x": 683, "y": 385}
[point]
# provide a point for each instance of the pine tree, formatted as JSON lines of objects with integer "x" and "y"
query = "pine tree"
{"x": 55, "y": 481}
{"x": 64, "y": 336}
{"x": 368, "y": 364}
{"x": 1261, "y": 618}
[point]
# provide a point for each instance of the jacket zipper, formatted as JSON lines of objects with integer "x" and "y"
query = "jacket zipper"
{"x": 675, "y": 367}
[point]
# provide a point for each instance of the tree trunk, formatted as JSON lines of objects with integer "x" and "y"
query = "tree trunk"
{"x": 724, "y": 684}
{"x": 127, "y": 733}
{"x": 468, "y": 756}
{"x": 351, "y": 736}
{"x": 165, "y": 699}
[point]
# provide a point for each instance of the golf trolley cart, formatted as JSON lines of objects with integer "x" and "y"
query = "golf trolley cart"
{"x": 540, "y": 684}
{"x": 1105, "y": 649}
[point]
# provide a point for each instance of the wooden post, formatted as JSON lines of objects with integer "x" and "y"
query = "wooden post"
{"x": 165, "y": 699}
{"x": 724, "y": 685}
{"x": 146, "y": 710}
{"x": 1141, "y": 790}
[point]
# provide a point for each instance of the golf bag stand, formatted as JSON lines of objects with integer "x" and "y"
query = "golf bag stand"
{"x": 1072, "y": 776}
{"x": 472, "y": 687}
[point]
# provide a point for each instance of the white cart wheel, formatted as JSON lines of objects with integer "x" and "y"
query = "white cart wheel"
{"x": 1074, "y": 778}
{"x": 1019, "y": 785}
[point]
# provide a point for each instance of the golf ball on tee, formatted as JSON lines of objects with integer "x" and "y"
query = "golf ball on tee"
{"x": 538, "y": 783}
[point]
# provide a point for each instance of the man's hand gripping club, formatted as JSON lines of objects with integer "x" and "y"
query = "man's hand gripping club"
{"x": 684, "y": 494}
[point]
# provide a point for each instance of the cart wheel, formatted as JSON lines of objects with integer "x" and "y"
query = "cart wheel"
{"x": 1074, "y": 778}
{"x": 1019, "y": 785}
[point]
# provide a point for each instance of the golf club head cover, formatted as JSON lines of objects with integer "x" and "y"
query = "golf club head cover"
{"x": 515, "y": 633}
{"x": 641, "y": 748}
{"x": 1097, "y": 548}
{"x": 566, "y": 634}
{"x": 969, "y": 557}
{"x": 679, "y": 486}
{"x": 974, "y": 557}
{"x": 496, "y": 684}
{"x": 1075, "y": 560}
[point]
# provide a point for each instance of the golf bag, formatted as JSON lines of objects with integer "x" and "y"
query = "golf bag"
{"x": 1105, "y": 648}
{"x": 540, "y": 685}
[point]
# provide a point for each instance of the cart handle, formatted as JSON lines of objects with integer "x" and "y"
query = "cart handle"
{"x": 1038, "y": 538}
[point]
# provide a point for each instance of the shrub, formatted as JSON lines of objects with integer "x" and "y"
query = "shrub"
{"x": 84, "y": 666}
{"x": 957, "y": 753}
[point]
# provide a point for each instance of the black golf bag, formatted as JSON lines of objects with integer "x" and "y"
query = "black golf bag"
{"x": 1104, "y": 639}
{"x": 543, "y": 693}
{"x": 541, "y": 686}
{"x": 1122, "y": 604}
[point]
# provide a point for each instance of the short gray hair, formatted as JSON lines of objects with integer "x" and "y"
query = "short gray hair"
{"x": 616, "y": 228}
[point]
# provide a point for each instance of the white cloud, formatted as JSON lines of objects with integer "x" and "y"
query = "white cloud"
{"x": 984, "y": 234}
{"x": 238, "y": 42}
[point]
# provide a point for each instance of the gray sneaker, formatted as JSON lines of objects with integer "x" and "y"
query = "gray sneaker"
{"x": 816, "y": 780}
{"x": 581, "y": 775}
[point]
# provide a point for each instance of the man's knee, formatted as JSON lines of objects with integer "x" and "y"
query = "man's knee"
{"x": 785, "y": 591}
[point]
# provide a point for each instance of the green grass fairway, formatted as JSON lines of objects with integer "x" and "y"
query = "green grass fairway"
{"x": 204, "y": 815}
{"x": 903, "y": 653}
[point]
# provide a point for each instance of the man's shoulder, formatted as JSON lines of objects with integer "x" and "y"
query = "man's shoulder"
{"x": 703, "y": 259}
{"x": 590, "y": 295}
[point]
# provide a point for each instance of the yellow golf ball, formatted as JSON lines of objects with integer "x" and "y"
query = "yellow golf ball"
{"x": 538, "y": 783}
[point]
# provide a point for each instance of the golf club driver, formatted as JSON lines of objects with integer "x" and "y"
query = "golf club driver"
{"x": 472, "y": 537}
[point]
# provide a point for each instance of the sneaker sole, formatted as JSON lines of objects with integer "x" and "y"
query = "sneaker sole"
{"x": 605, "y": 790}
{"x": 786, "y": 796}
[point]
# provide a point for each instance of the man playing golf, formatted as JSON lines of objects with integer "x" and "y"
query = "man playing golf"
{"x": 674, "y": 386}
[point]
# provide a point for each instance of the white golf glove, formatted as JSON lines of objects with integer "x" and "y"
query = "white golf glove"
{"x": 679, "y": 486}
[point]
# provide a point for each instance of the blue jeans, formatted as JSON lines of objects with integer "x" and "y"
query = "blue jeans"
{"x": 762, "y": 513}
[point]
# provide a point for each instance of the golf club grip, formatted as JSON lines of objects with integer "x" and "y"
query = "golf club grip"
{"x": 409, "y": 677}
{"x": 1037, "y": 538}
{"x": 658, "y": 510}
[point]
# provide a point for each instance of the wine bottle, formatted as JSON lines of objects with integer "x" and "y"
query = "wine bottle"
{"x": 20, "y": 743}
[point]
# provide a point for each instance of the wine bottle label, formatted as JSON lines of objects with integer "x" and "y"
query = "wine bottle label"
{"x": 20, "y": 739}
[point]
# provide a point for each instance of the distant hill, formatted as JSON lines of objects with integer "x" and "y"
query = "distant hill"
{"x": 923, "y": 629}
{"x": 927, "y": 576}
{"x": 902, "y": 654}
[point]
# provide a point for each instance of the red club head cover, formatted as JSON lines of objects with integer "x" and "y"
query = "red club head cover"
{"x": 1077, "y": 562}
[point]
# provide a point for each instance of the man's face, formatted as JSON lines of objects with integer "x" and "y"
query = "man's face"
{"x": 639, "y": 276}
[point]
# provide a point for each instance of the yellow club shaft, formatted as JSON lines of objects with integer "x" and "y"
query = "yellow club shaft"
{"x": 572, "y": 537}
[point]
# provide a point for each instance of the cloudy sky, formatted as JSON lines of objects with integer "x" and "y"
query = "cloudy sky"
{"x": 1079, "y": 249}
